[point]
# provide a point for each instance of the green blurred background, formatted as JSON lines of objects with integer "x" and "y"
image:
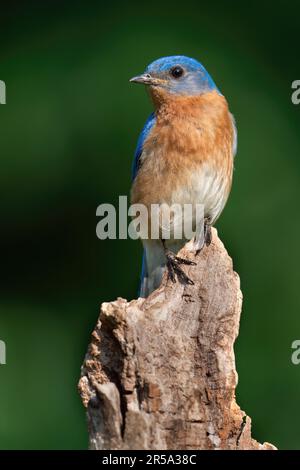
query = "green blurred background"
{"x": 68, "y": 133}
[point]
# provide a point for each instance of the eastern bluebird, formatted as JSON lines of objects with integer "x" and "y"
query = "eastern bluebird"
{"x": 184, "y": 155}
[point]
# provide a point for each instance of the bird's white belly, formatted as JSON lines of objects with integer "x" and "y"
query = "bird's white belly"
{"x": 206, "y": 187}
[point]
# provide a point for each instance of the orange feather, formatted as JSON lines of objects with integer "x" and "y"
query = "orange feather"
{"x": 191, "y": 134}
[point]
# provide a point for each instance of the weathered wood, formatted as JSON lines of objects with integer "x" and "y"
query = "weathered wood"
{"x": 160, "y": 372}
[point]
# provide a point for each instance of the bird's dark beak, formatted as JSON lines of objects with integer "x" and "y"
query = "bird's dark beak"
{"x": 145, "y": 79}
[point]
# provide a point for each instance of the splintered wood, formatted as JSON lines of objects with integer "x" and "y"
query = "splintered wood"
{"x": 160, "y": 372}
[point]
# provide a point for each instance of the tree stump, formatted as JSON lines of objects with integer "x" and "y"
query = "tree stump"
{"x": 160, "y": 372}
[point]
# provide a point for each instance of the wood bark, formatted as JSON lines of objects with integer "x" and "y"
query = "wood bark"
{"x": 160, "y": 372}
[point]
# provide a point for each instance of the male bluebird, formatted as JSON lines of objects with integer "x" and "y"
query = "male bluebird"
{"x": 184, "y": 155}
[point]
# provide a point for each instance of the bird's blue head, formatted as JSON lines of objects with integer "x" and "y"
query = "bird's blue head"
{"x": 177, "y": 74}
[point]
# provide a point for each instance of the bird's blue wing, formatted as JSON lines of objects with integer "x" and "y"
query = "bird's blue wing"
{"x": 135, "y": 168}
{"x": 139, "y": 148}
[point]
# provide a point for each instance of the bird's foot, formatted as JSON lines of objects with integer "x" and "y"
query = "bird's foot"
{"x": 205, "y": 239}
{"x": 174, "y": 269}
{"x": 207, "y": 233}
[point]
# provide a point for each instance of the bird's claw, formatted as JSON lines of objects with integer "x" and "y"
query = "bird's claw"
{"x": 174, "y": 269}
{"x": 207, "y": 234}
{"x": 206, "y": 239}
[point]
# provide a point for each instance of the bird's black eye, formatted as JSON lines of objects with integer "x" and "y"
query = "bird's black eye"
{"x": 177, "y": 71}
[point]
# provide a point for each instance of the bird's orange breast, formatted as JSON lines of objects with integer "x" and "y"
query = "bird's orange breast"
{"x": 192, "y": 135}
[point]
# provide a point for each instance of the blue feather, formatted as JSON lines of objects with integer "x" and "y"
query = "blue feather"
{"x": 139, "y": 148}
{"x": 135, "y": 168}
{"x": 195, "y": 81}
